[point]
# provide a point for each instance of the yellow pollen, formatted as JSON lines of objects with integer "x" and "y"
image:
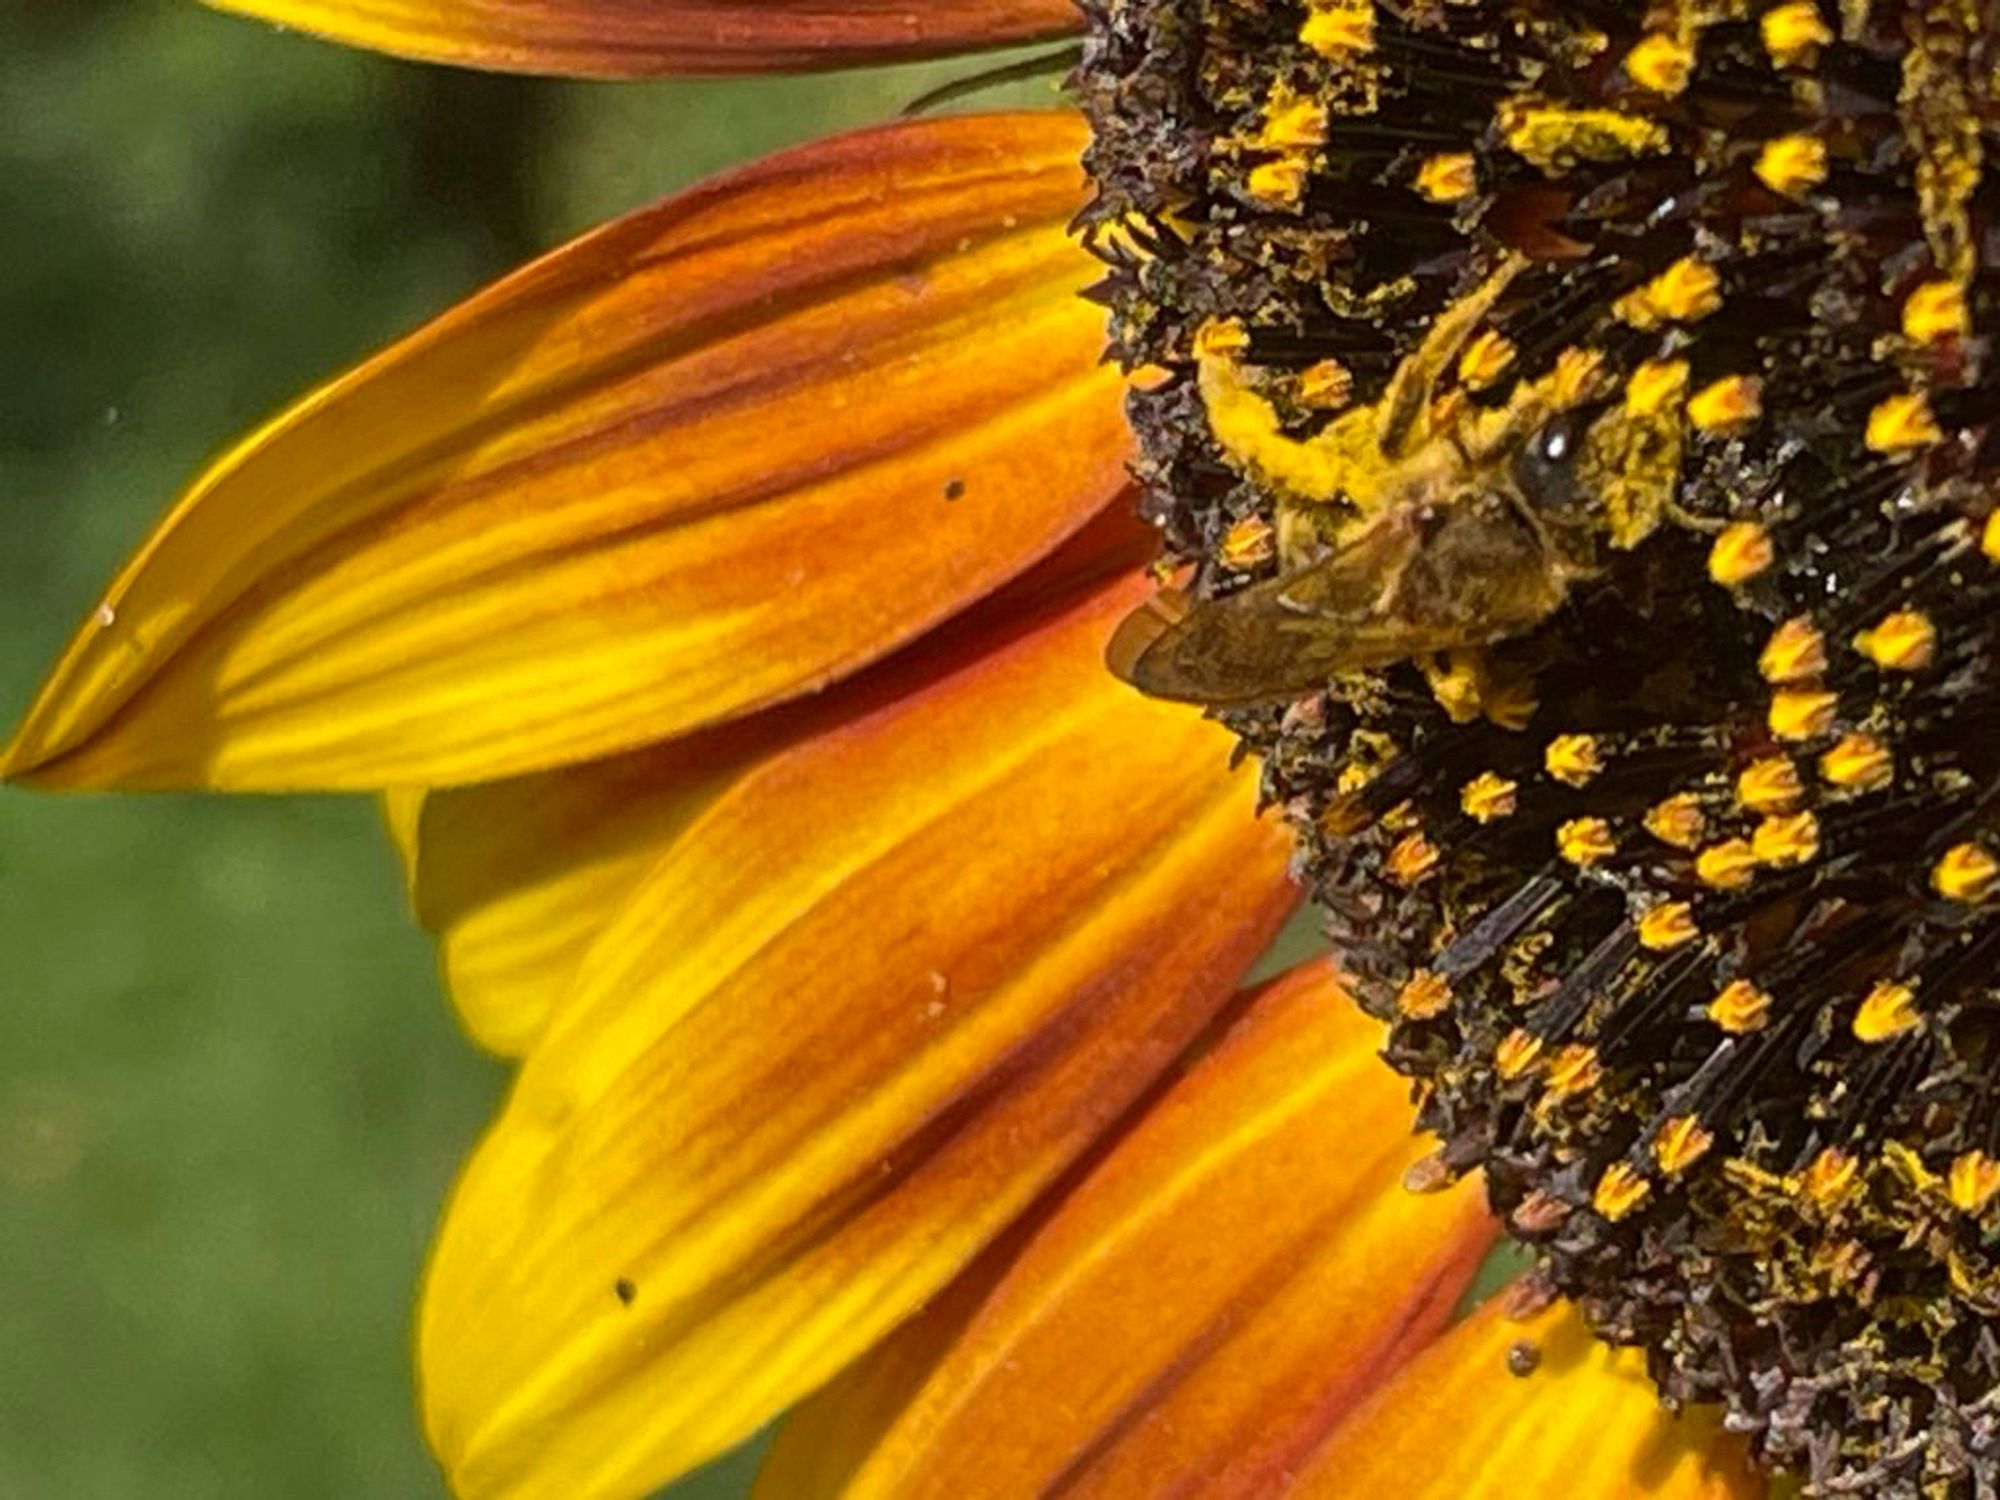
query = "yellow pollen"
{"x": 1585, "y": 841}
{"x": 1935, "y": 311}
{"x": 1221, "y": 337}
{"x": 1727, "y": 406}
{"x": 1678, "y": 821}
{"x": 1619, "y": 1191}
{"x": 1553, "y": 138}
{"x": 1786, "y": 840}
{"x": 1680, "y": 1144}
{"x": 1795, "y": 653}
{"x": 1487, "y": 797}
{"x": 1329, "y": 384}
{"x": 1902, "y": 423}
{"x": 1801, "y": 713}
{"x": 1293, "y": 123}
{"x": 1667, "y": 926}
{"x": 1573, "y": 759}
{"x": 1448, "y": 177}
{"x": 1728, "y": 866}
{"x": 1830, "y": 1178}
{"x": 1281, "y": 182}
{"x": 1989, "y": 537}
{"x": 1742, "y": 550}
{"x": 1517, "y": 1052}
{"x": 1573, "y": 1070}
{"x": 1973, "y": 1180}
{"x": 1966, "y": 873}
{"x": 1770, "y": 784}
{"x": 1660, "y": 64}
{"x": 1485, "y": 360}
{"x": 1859, "y": 763}
{"x": 1741, "y": 1008}
{"x": 1411, "y": 860}
{"x": 1250, "y": 543}
{"x": 1424, "y": 995}
{"x": 1905, "y": 641}
{"x": 1792, "y": 165}
{"x": 1686, "y": 292}
{"x": 1655, "y": 386}
{"x": 1888, "y": 1010}
{"x": 1794, "y": 33}
{"x": 1340, "y": 29}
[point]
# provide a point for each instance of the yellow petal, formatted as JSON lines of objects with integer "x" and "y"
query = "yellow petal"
{"x": 1459, "y": 1423}
{"x": 638, "y": 38}
{"x": 518, "y": 877}
{"x": 1240, "y": 1270}
{"x": 883, "y": 992}
{"x": 713, "y": 456}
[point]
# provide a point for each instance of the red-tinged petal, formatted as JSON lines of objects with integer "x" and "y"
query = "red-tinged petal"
{"x": 1240, "y": 1270}
{"x": 642, "y": 38}
{"x": 869, "y": 1005}
{"x": 1460, "y": 1423}
{"x": 518, "y": 877}
{"x": 713, "y": 456}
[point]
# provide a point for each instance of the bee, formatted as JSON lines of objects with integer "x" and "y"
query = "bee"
{"x": 1421, "y": 527}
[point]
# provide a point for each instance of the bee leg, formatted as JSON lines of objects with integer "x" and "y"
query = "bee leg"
{"x": 1400, "y": 426}
{"x": 1318, "y": 470}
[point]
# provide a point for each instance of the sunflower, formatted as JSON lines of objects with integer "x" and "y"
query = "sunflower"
{"x": 719, "y": 604}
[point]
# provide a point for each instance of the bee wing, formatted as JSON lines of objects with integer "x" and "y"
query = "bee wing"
{"x": 1385, "y": 598}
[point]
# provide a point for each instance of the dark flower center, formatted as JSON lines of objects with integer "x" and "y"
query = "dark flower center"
{"x": 1573, "y": 415}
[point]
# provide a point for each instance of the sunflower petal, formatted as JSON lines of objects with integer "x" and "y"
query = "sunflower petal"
{"x": 1240, "y": 1270}
{"x": 1458, "y": 1423}
{"x": 642, "y": 38}
{"x": 517, "y": 877}
{"x": 873, "y": 1001}
{"x": 713, "y": 456}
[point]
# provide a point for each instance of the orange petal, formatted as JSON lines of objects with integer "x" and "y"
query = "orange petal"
{"x": 1458, "y": 1424}
{"x": 713, "y": 456}
{"x": 518, "y": 877}
{"x": 872, "y": 1003}
{"x": 1241, "y": 1269}
{"x": 640, "y": 38}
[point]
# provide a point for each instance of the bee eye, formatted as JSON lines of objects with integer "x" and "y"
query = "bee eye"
{"x": 1546, "y": 467}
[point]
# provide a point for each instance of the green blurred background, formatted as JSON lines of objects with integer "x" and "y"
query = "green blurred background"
{"x": 231, "y": 1097}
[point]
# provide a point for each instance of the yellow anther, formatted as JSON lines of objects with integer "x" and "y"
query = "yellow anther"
{"x": 1901, "y": 423}
{"x": 1485, "y": 360}
{"x": 1293, "y": 123}
{"x": 1801, "y": 713}
{"x": 1989, "y": 537}
{"x": 1660, "y": 64}
{"x": 1934, "y": 311}
{"x": 1340, "y": 29}
{"x": 1586, "y": 841}
{"x": 1619, "y": 1191}
{"x": 1905, "y": 641}
{"x": 1770, "y": 784}
{"x": 1281, "y": 182}
{"x": 1424, "y": 995}
{"x": 1786, "y": 840}
{"x": 1830, "y": 1178}
{"x": 1741, "y": 1008}
{"x": 1678, "y": 821}
{"x": 1972, "y": 1182}
{"x": 1574, "y": 1069}
{"x": 1742, "y": 550}
{"x": 1487, "y": 797}
{"x": 1888, "y": 1010}
{"x": 1654, "y": 386}
{"x": 1667, "y": 926}
{"x": 1448, "y": 177}
{"x": 1687, "y": 291}
{"x": 1327, "y": 385}
{"x": 1792, "y": 165}
{"x": 1966, "y": 873}
{"x": 1576, "y": 376}
{"x": 1250, "y": 543}
{"x": 1411, "y": 860}
{"x": 1727, "y": 406}
{"x": 1859, "y": 763}
{"x": 1728, "y": 866}
{"x": 1796, "y": 652}
{"x": 1680, "y": 1144}
{"x": 1219, "y": 338}
{"x": 1518, "y": 1051}
{"x": 1794, "y": 33}
{"x": 1573, "y": 759}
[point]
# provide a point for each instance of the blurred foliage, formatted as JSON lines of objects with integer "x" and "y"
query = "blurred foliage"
{"x": 231, "y": 1098}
